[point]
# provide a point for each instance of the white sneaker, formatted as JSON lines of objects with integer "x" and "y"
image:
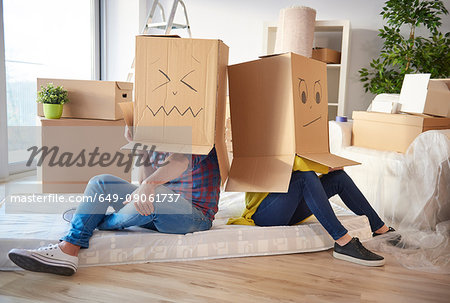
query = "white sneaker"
{"x": 49, "y": 259}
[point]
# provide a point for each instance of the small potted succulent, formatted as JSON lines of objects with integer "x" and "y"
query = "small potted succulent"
{"x": 53, "y": 99}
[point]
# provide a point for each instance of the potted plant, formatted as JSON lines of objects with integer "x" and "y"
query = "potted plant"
{"x": 53, "y": 99}
{"x": 405, "y": 52}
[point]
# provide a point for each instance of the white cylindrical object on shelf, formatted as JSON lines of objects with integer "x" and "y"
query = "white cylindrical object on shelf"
{"x": 295, "y": 31}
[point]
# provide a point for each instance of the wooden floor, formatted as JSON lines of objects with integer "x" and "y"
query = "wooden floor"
{"x": 310, "y": 277}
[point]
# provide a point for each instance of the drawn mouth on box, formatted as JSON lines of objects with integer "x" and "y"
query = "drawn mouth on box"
{"x": 309, "y": 123}
{"x": 174, "y": 110}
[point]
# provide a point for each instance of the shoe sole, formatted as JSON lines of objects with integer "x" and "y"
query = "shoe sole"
{"x": 358, "y": 261}
{"x": 31, "y": 264}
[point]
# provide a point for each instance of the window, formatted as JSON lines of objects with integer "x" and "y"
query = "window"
{"x": 43, "y": 39}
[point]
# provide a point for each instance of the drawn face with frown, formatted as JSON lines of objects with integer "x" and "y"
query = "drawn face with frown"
{"x": 310, "y": 105}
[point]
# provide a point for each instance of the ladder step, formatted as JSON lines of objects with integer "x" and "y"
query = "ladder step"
{"x": 162, "y": 25}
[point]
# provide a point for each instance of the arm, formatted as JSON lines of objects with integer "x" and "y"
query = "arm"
{"x": 176, "y": 165}
{"x": 144, "y": 170}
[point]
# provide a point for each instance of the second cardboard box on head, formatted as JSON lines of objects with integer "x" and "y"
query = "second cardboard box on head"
{"x": 279, "y": 109}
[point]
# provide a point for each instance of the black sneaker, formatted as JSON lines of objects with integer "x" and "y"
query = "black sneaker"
{"x": 391, "y": 229}
{"x": 355, "y": 252}
{"x": 393, "y": 240}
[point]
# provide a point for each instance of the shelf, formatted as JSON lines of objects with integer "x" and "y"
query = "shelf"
{"x": 333, "y": 66}
{"x": 331, "y": 25}
{"x": 333, "y": 104}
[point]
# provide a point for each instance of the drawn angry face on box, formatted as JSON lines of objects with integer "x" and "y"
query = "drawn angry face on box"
{"x": 176, "y": 87}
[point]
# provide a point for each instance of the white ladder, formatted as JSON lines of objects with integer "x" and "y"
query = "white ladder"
{"x": 167, "y": 26}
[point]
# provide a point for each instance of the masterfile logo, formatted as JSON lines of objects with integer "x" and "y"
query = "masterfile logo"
{"x": 84, "y": 158}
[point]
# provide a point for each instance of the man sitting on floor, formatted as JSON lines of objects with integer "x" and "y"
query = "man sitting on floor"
{"x": 178, "y": 197}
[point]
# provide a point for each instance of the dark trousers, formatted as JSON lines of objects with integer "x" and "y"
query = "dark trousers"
{"x": 308, "y": 194}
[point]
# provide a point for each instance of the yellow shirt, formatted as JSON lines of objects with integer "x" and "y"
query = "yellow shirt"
{"x": 253, "y": 200}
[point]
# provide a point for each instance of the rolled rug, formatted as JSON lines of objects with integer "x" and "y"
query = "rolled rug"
{"x": 295, "y": 31}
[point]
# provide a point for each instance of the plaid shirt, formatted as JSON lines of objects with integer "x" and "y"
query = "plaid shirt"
{"x": 199, "y": 183}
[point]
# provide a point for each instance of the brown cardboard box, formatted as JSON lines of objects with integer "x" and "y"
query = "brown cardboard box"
{"x": 180, "y": 97}
{"x": 74, "y": 136}
{"x": 279, "y": 109}
{"x": 392, "y": 132}
{"x": 422, "y": 95}
{"x": 91, "y": 99}
{"x": 326, "y": 55}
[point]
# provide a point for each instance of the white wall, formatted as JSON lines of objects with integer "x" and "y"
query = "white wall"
{"x": 239, "y": 23}
{"x": 122, "y": 25}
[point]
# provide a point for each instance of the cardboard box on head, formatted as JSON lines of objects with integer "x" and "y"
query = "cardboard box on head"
{"x": 279, "y": 108}
{"x": 180, "y": 96}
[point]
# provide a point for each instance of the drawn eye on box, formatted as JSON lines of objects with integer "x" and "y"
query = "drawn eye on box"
{"x": 303, "y": 91}
{"x": 304, "y": 96}
{"x": 182, "y": 80}
{"x": 317, "y": 91}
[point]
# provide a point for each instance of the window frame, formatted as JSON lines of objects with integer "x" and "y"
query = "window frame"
{"x": 97, "y": 36}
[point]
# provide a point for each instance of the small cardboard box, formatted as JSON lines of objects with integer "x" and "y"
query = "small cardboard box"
{"x": 91, "y": 99}
{"x": 180, "y": 100}
{"x": 422, "y": 95}
{"x": 73, "y": 136}
{"x": 326, "y": 55}
{"x": 279, "y": 109}
{"x": 391, "y": 132}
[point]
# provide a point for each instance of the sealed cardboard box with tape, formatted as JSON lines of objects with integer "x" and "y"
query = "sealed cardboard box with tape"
{"x": 392, "y": 132}
{"x": 279, "y": 109}
{"x": 180, "y": 96}
{"x": 91, "y": 99}
{"x": 75, "y": 150}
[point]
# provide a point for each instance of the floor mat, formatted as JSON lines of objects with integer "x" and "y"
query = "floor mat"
{"x": 138, "y": 245}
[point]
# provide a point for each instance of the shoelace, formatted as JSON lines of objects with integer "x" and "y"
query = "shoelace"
{"x": 361, "y": 247}
{"x": 49, "y": 247}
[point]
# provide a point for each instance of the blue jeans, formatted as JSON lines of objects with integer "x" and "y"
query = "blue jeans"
{"x": 102, "y": 191}
{"x": 308, "y": 194}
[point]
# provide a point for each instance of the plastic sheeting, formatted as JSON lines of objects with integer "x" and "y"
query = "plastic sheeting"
{"x": 410, "y": 191}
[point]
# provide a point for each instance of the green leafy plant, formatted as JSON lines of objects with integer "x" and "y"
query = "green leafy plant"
{"x": 408, "y": 54}
{"x": 52, "y": 95}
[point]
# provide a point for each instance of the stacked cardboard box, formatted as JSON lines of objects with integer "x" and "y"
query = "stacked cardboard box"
{"x": 426, "y": 106}
{"x": 91, "y": 99}
{"x": 392, "y": 132}
{"x": 85, "y": 141}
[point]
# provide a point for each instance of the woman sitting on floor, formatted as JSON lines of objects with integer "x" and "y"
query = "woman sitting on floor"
{"x": 308, "y": 194}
